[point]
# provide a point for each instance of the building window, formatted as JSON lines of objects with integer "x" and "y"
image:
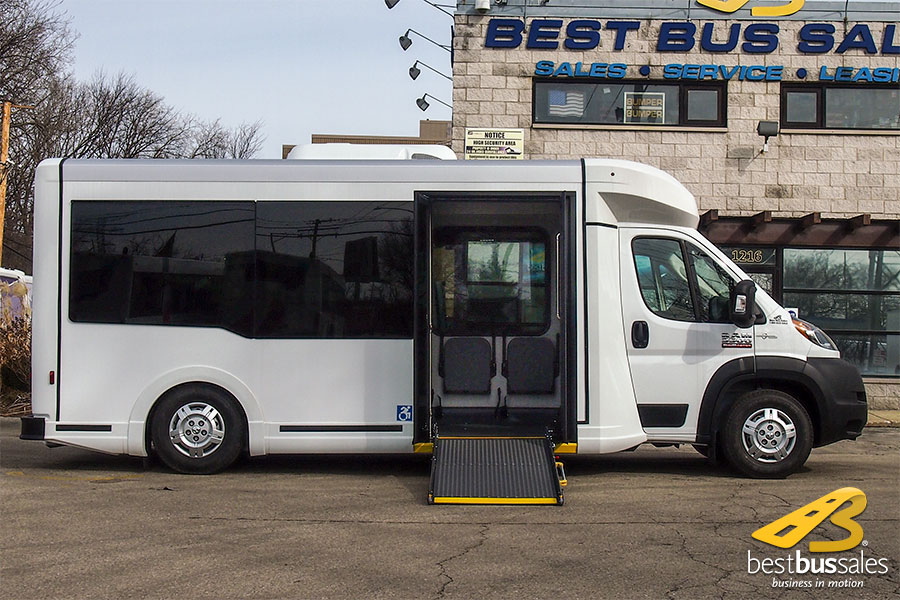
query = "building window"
{"x": 630, "y": 103}
{"x": 854, "y": 295}
{"x": 821, "y": 106}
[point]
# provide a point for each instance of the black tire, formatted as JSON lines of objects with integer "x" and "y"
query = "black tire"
{"x": 208, "y": 430}
{"x": 778, "y": 436}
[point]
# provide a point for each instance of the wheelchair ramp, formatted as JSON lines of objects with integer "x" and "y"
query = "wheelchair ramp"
{"x": 494, "y": 470}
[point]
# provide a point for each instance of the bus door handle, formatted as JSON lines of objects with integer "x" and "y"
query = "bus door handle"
{"x": 640, "y": 334}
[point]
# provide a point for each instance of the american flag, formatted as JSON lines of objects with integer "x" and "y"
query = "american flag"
{"x": 566, "y": 104}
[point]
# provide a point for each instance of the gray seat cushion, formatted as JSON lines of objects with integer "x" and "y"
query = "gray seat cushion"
{"x": 530, "y": 365}
{"x": 467, "y": 365}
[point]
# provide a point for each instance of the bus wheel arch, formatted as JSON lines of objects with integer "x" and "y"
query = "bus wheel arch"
{"x": 197, "y": 428}
{"x": 795, "y": 388}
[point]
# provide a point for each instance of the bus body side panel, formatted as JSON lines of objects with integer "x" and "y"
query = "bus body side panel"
{"x": 613, "y": 424}
{"x": 323, "y": 395}
{"x": 44, "y": 343}
{"x": 299, "y": 395}
{"x": 330, "y": 388}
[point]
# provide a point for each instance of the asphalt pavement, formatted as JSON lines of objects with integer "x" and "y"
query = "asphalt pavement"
{"x": 654, "y": 523}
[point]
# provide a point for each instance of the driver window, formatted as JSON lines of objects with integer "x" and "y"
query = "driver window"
{"x": 663, "y": 278}
{"x": 713, "y": 287}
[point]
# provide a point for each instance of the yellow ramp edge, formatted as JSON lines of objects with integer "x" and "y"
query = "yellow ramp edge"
{"x": 446, "y": 500}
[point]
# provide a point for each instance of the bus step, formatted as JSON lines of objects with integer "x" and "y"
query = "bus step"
{"x": 494, "y": 470}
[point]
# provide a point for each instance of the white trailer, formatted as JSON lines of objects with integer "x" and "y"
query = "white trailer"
{"x": 200, "y": 309}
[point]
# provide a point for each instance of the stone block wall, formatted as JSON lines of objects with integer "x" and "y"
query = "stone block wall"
{"x": 836, "y": 174}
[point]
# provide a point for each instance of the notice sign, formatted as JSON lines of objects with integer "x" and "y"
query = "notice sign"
{"x": 645, "y": 107}
{"x": 495, "y": 144}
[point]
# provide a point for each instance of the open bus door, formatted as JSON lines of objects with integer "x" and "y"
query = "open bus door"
{"x": 492, "y": 344}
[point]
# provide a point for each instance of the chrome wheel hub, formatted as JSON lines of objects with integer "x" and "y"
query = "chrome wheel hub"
{"x": 769, "y": 435}
{"x": 197, "y": 429}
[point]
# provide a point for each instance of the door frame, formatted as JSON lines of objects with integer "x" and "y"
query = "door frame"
{"x": 563, "y": 263}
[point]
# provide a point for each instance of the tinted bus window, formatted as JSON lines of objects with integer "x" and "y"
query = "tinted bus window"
{"x": 162, "y": 263}
{"x": 334, "y": 269}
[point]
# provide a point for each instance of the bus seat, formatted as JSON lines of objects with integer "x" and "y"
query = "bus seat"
{"x": 531, "y": 367}
{"x": 467, "y": 365}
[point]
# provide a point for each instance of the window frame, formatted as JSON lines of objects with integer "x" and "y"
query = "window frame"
{"x": 683, "y": 87}
{"x": 820, "y": 89}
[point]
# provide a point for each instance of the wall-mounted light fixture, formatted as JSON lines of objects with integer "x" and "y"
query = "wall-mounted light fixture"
{"x": 414, "y": 70}
{"x": 440, "y": 7}
{"x": 767, "y": 129}
{"x": 423, "y": 104}
{"x": 406, "y": 41}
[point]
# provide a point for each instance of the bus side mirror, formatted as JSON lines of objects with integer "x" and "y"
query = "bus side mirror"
{"x": 743, "y": 304}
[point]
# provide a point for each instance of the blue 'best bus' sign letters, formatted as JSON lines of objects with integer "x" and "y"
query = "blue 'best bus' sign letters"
{"x": 684, "y": 36}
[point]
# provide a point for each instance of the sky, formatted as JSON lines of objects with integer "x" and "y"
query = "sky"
{"x": 298, "y": 66}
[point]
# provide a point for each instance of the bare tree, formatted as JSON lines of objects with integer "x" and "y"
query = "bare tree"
{"x": 120, "y": 119}
{"x": 211, "y": 139}
{"x": 107, "y": 117}
{"x": 245, "y": 141}
{"x": 35, "y": 46}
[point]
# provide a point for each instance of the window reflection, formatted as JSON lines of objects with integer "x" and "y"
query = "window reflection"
{"x": 490, "y": 281}
{"x": 854, "y": 295}
{"x": 178, "y": 263}
{"x": 334, "y": 269}
{"x": 272, "y": 269}
{"x": 663, "y": 278}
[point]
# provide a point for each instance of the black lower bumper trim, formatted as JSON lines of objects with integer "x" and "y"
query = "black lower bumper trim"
{"x": 32, "y": 428}
{"x": 844, "y": 412}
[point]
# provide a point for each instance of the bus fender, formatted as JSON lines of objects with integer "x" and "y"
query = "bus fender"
{"x": 748, "y": 373}
{"x": 137, "y": 421}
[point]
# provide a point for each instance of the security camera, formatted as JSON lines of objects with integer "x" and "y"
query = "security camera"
{"x": 482, "y": 5}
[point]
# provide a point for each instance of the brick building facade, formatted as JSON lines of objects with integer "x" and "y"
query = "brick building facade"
{"x": 684, "y": 87}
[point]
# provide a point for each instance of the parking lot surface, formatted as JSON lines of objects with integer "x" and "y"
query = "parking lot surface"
{"x": 654, "y": 523}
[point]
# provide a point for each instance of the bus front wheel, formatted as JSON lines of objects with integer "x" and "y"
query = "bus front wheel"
{"x": 768, "y": 434}
{"x": 197, "y": 429}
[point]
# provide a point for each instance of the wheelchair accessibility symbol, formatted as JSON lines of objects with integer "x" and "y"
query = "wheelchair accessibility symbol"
{"x": 404, "y": 412}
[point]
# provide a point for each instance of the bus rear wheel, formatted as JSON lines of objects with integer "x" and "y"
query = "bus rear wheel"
{"x": 768, "y": 434}
{"x": 197, "y": 429}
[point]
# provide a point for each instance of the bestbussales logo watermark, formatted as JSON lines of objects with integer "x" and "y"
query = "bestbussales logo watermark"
{"x": 787, "y": 531}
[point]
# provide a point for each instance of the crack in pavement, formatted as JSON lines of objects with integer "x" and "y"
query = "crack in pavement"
{"x": 497, "y": 523}
{"x": 671, "y": 593}
{"x": 442, "y": 564}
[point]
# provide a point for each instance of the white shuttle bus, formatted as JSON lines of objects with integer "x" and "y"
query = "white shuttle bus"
{"x": 203, "y": 309}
